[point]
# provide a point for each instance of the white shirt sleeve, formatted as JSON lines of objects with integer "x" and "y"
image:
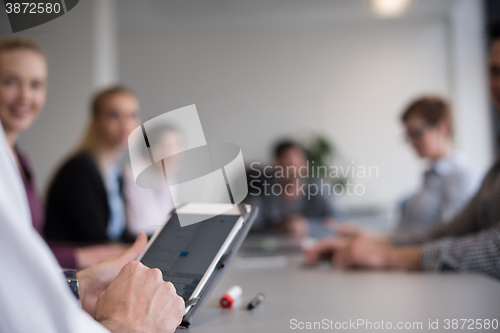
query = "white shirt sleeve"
{"x": 34, "y": 296}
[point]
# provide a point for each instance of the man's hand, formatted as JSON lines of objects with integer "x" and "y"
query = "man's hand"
{"x": 364, "y": 252}
{"x": 138, "y": 300}
{"x": 95, "y": 279}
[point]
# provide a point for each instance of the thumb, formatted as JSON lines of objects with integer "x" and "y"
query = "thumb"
{"x": 136, "y": 249}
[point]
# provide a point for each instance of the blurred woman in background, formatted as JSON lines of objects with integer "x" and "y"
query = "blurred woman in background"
{"x": 23, "y": 80}
{"x": 85, "y": 200}
{"x": 448, "y": 183}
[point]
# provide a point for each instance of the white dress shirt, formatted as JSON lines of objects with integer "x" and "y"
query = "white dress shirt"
{"x": 147, "y": 209}
{"x": 34, "y": 297}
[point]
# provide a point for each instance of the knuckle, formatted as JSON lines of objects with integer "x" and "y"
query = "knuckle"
{"x": 156, "y": 274}
{"x": 169, "y": 287}
{"x": 133, "y": 266}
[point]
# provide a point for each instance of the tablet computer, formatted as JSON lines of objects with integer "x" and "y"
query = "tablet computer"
{"x": 188, "y": 256}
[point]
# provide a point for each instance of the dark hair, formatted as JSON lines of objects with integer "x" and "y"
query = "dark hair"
{"x": 103, "y": 95}
{"x": 432, "y": 109}
{"x": 493, "y": 30}
{"x": 282, "y": 146}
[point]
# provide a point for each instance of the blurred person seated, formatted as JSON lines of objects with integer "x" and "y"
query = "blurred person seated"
{"x": 85, "y": 200}
{"x": 147, "y": 209}
{"x": 286, "y": 205}
{"x": 117, "y": 295}
{"x": 448, "y": 183}
{"x": 23, "y": 65}
{"x": 470, "y": 242}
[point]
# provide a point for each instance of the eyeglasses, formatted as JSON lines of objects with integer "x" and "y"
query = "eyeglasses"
{"x": 416, "y": 134}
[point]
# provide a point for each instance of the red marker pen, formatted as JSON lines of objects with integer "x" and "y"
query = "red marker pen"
{"x": 230, "y": 296}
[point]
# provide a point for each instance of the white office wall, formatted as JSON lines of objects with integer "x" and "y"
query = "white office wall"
{"x": 468, "y": 81}
{"x": 360, "y": 102}
{"x": 253, "y": 85}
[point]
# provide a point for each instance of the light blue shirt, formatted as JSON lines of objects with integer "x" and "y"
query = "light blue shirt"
{"x": 447, "y": 186}
{"x": 117, "y": 220}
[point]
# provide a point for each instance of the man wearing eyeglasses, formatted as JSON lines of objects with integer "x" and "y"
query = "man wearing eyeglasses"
{"x": 470, "y": 242}
{"x": 448, "y": 183}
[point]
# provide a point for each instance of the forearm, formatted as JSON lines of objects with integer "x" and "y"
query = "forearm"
{"x": 477, "y": 252}
{"x": 404, "y": 258}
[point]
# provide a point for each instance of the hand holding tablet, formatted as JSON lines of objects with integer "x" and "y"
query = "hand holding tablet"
{"x": 193, "y": 257}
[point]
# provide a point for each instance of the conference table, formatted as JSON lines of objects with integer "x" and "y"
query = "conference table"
{"x": 303, "y": 298}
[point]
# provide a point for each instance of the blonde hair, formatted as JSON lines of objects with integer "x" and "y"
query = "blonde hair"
{"x": 91, "y": 140}
{"x": 20, "y": 43}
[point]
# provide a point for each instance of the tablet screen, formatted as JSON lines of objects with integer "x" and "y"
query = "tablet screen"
{"x": 183, "y": 254}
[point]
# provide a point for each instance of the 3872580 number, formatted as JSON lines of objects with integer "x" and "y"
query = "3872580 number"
{"x": 470, "y": 324}
{"x": 32, "y": 8}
